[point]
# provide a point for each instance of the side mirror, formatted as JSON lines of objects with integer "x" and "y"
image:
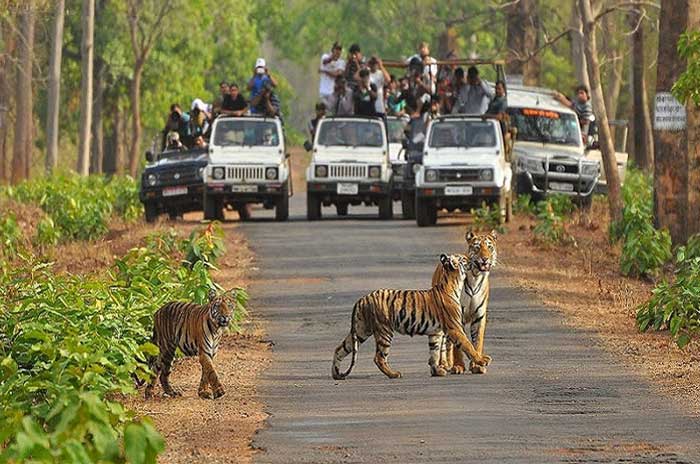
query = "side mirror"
{"x": 149, "y": 156}
{"x": 307, "y": 145}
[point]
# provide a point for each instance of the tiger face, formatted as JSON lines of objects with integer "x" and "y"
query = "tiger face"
{"x": 454, "y": 264}
{"x": 481, "y": 250}
{"x": 219, "y": 310}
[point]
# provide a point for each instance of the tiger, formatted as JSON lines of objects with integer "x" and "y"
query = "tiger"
{"x": 432, "y": 312}
{"x": 481, "y": 256}
{"x": 196, "y": 330}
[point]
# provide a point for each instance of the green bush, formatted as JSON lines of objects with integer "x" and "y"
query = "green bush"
{"x": 10, "y": 236}
{"x": 644, "y": 249}
{"x": 676, "y": 304}
{"x": 524, "y": 205}
{"x": 70, "y": 345}
{"x": 487, "y": 218}
{"x": 551, "y": 217}
{"x": 81, "y": 207}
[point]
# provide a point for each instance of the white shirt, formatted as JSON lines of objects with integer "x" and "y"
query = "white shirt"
{"x": 377, "y": 78}
{"x": 430, "y": 71}
{"x": 326, "y": 83}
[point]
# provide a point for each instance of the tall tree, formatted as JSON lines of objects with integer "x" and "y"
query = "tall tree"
{"x": 23, "y": 142}
{"x": 87, "y": 53}
{"x": 146, "y": 24}
{"x": 54, "y": 93}
{"x": 522, "y": 40}
{"x": 578, "y": 54}
{"x": 7, "y": 37}
{"x": 676, "y": 163}
{"x": 607, "y": 147}
{"x": 643, "y": 154}
{"x": 612, "y": 52}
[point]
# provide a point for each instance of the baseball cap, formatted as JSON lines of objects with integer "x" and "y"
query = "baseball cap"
{"x": 260, "y": 63}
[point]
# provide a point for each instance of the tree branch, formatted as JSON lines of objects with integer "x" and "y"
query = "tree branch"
{"x": 625, "y": 5}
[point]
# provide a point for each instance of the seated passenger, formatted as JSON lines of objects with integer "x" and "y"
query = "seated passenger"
{"x": 473, "y": 98}
{"x": 173, "y": 142}
{"x": 313, "y": 124}
{"x": 499, "y": 104}
{"x": 178, "y": 121}
{"x": 395, "y": 104}
{"x": 223, "y": 92}
{"x": 266, "y": 102}
{"x": 581, "y": 104}
{"x": 200, "y": 143}
{"x": 234, "y": 103}
{"x": 445, "y": 137}
{"x": 482, "y": 137}
{"x": 200, "y": 115}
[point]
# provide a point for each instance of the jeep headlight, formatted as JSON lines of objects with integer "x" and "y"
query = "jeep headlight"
{"x": 431, "y": 175}
{"x": 534, "y": 166}
{"x": 590, "y": 169}
{"x": 486, "y": 174}
{"x": 375, "y": 172}
{"x": 271, "y": 173}
{"x": 152, "y": 180}
{"x": 217, "y": 173}
{"x": 321, "y": 170}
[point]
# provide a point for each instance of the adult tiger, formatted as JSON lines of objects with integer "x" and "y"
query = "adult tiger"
{"x": 481, "y": 257}
{"x": 196, "y": 330}
{"x": 432, "y": 312}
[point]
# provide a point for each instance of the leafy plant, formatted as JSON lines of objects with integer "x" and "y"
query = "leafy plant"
{"x": 687, "y": 87}
{"x": 550, "y": 227}
{"x": 10, "y": 236}
{"x": 205, "y": 245}
{"x": 524, "y": 205}
{"x": 561, "y": 205}
{"x": 47, "y": 233}
{"x": 486, "y": 218}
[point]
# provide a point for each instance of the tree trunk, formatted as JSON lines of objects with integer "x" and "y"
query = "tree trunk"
{"x": 578, "y": 55}
{"x": 643, "y": 154}
{"x": 119, "y": 147}
{"x": 135, "y": 95}
{"x": 447, "y": 43}
{"x": 96, "y": 162}
{"x": 615, "y": 63}
{"x": 607, "y": 147}
{"x": 522, "y": 25}
{"x": 8, "y": 38}
{"x": 87, "y": 51}
{"x": 54, "y": 92}
{"x": 23, "y": 95}
{"x": 676, "y": 163}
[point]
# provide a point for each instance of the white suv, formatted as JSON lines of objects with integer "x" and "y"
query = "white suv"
{"x": 349, "y": 166}
{"x": 247, "y": 164}
{"x": 465, "y": 163}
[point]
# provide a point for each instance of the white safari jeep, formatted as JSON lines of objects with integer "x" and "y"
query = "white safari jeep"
{"x": 247, "y": 164}
{"x": 465, "y": 162}
{"x": 349, "y": 166}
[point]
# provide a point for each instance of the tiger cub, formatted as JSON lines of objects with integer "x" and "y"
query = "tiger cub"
{"x": 432, "y": 312}
{"x": 481, "y": 257}
{"x": 196, "y": 330}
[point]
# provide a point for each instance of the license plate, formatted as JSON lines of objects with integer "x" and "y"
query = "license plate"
{"x": 347, "y": 189}
{"x": 461, "y": 190}
{"x": 561, "y": 187}
{"x": 174, "y": 191}
{"x": 244, "y": 188}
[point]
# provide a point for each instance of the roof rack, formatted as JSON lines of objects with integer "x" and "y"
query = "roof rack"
{"x": 354, "y": 116}
{"x": 483, "y": 117}
{"x": 453, "y": 62}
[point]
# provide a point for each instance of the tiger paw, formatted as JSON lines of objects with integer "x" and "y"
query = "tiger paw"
{"x": 483, "y": 360}
{"x": 219, "y": 392}
{"x": 457, "y": 369}
{"x": 476, "y": 369}
{"x": 204, "y": 394}
{"x": 438, "y": 372}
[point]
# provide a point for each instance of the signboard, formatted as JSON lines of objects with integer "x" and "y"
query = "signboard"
{"x": 669, "y": 113}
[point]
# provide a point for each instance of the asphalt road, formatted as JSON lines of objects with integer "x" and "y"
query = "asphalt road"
{"x": 550, "y": 395}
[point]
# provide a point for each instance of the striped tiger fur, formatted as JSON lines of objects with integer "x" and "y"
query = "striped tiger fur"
{"x": 481, "y": 256}
{"x": 196, "y": 330}
{"x": 432, "y": 312}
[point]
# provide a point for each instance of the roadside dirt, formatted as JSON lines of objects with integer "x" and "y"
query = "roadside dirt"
{"x": 583, "y": 282}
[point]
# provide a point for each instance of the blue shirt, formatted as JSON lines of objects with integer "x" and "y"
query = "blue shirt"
{"x": 259, "y": 81}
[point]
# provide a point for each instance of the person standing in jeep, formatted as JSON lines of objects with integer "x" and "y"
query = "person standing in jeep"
{"x": 365, "y": 97}
{"x": 332, "y": 66}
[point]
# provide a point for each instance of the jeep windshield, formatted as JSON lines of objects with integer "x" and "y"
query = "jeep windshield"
{"x": 463, "y": 134}
{"x": 396, "y": 128}
{"x": 537, "y": 125}
{"x": 350, "y": 134}
{"x": 253, "y": 133}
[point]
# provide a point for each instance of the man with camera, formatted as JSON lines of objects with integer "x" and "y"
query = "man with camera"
{"x": 425, "y": 65}
{"x": 266, "y": 102}
{"x": 260, "y": 80}
{"x": 352, "y": 69}
{"x": 475, "y": 96}
{"x": 332, "y": 66}
{"x": 340, "y": 102}
{"x": 365, "y": 97}
{"x": 178, "y": 121}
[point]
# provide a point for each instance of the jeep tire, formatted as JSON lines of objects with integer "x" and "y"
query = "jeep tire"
{"x": 282, "y": 205}
{"x": 150, "y": 210}
{"x": 341, "y": 209}
{"x": 313, "y": 207}
{"x": 386, "y": 207}
{"x": 408, "y": 204}
{"x": 426, "y": 212}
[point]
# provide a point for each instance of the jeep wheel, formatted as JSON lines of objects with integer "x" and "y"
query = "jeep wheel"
{"x": 244, "y": 212}
{"x": 341, "y": 209}
{"x": 313, "y": 207}
{"x": 282, "y": 205}
{"x": 386, "y": 207}
{"x": 150, "y": 211}
{"x": 408, "y": 204}
{"x": 426, "y": 212}
{"x": 213, "y": 209}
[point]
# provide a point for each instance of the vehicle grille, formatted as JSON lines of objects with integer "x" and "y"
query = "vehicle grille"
{"x": 348, "y": 171}
{"x": 452, "y": 175}
{"x": 563, "y": 168}
{"x": 178, "y": 176}
{"x": 246, "y": 173}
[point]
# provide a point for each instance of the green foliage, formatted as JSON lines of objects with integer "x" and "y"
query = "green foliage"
{"x": 205, "y": 246}
{"x": 68, "y": 345}
{"x": 561, "y": 205}
{"x": 46, "y": 233}
{"x": 10, "y": 236}
{"x": 687, "y": 88}
{"x": 550, "y": 228}
{"x": 674, "y": 305}
{"x": 524, "y": 205}
{"x": 79, "y": 207}
{"x": 644, "y": 249}
{"x": 487, "y": 218}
